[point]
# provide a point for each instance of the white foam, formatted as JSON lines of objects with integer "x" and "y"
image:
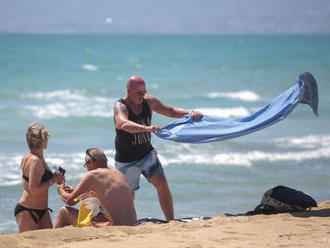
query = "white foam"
{"x": 244, "y": 159}
{"x": 70, "y": 109}
{"x": 177, "y": 154}
{"x": 89, "y": 67}
{"x": 57, "y": 95}
{"x": 307, "y": 142}
{"x": 67, "y": 103}
{"x": 225, "y": 112}
{"x": 8, "y": 226}
{"x": 314, "y": 147}
{"x": 244, "y": 95}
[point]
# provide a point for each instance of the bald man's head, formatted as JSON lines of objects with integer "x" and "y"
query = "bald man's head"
{"x": 136, "y": 89}
{"x": 134, "y": 81}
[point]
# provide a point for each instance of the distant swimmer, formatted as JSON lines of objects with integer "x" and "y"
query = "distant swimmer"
{"x": 102, "y": 189}
{"x": 134, "y": 152}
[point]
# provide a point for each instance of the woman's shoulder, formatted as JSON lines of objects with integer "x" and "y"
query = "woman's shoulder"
{"x": 30, "y": 159}
{"x": 31, "y": 163}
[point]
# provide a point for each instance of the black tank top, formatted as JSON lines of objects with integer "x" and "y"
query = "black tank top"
{"x": 134, "y": 146}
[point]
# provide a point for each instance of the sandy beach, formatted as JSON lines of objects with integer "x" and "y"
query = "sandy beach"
{"x": 303, "y": 229}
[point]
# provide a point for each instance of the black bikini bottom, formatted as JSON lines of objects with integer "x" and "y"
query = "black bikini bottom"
{"x": 40, "y": 212}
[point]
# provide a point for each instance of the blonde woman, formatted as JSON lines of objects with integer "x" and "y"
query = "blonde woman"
{"x": 31, "y": 211}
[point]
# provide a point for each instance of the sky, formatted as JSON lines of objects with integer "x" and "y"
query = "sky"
{"x": 166, "y": 16}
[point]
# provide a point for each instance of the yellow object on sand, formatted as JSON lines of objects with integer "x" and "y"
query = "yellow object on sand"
{"x": 92, "y": 212}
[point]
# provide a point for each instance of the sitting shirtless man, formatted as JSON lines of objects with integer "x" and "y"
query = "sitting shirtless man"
{"x": 110, "y": 186}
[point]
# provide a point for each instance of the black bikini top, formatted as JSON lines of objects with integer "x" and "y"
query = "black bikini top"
{"x": 45, "y": 177}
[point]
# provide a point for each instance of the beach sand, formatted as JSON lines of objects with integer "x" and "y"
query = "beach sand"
{"x": 301, "y": 229}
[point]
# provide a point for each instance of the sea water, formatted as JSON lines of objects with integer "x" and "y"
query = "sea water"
{"x": 69, "y": 83}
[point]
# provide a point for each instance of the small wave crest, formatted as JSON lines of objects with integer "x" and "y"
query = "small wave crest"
{"x": 65, "y": 95}
{"x": 244, "y": 95}
{"x": 67, "y": 103}
{"x": 65, "y": 110}
{"x": 245, "y": 159}
{"x": 297, "y": 149}
{"x": 177, "y": 154}
{"x": 306, "y": 142}
{"x": 89, "y": 67}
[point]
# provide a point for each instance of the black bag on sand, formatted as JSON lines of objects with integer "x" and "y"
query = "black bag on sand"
{"x": 281, "y": 199}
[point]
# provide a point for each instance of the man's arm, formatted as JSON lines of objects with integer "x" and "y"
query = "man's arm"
{"x": 174, "y": 112}
{"x": 84, "y": 186}
{"x": 123, "y": 123}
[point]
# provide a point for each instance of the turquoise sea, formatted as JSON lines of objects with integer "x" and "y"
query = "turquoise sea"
{"x": 70, "y": 82}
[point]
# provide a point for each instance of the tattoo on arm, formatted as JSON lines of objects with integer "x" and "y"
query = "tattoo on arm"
{"x": 120, "y": 108}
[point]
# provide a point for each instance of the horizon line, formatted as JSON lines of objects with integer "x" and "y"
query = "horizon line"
{"x": 161, "y": 33}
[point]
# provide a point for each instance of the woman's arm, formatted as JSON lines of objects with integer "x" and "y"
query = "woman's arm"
{"x": 36, "y": 171}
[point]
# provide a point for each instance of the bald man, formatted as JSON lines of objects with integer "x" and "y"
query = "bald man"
{"x": 134, "y": 152}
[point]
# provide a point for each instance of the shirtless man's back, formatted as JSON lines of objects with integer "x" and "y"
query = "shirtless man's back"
{"x": 110, "y": 186}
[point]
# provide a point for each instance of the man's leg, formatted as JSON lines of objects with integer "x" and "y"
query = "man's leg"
{"x": 164, "y": 195}
{"x": 66, "y": 216}
{"x": 132, "y": 174}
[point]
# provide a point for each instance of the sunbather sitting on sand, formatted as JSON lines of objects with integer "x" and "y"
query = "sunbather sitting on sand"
{"x": 107, "y": 188}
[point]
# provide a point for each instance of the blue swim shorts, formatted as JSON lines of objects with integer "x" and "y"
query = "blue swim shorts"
{"x": 148, "y": 166}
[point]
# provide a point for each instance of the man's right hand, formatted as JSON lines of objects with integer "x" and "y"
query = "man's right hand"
{"x": 153, "y": 129}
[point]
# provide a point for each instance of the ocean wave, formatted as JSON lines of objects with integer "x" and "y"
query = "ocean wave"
{"x": 225, "y": 112}
{"x": 89, "y": 67}
{"x": 245, "y": 159}
{"x": 171, "y": 154}
{"x": 65, "y": 95}
{"x": 71, "y": 109}
{"x": 310, "y": 147}
{"x": 244, "y": 95}
{"x": 306, "y": 142}
{"x": 67, "y": 103}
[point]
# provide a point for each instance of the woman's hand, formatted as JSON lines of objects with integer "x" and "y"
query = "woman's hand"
{"x": 58, "y": 178}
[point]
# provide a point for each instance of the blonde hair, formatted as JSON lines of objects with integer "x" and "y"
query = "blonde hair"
{"x": 98, "y": 156}
{"x": 35, "y": 135}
